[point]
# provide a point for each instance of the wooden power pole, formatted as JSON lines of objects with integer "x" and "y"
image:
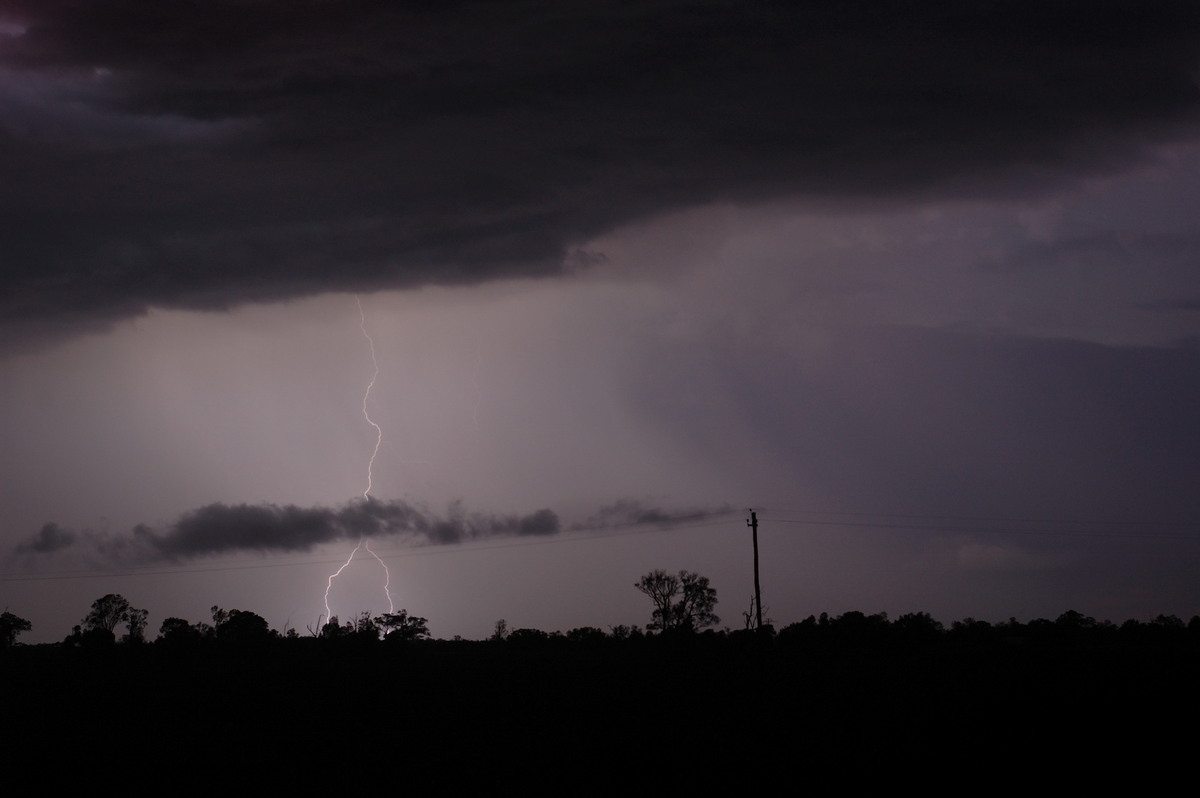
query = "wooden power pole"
{"x": 752, "y": 522}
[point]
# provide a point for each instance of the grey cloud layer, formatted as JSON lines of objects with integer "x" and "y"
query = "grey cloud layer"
{"x": 220, "y": 528}
{"x": 629, "y": 513}
{"x": 208, "y": 154}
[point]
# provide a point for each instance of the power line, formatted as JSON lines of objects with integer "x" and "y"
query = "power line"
{"x": 995, "y": 519}
{"x": 1010, "y": 530}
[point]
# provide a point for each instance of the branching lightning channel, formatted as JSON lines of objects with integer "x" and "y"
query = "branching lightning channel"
{"x": 387, "y": 577}
{"x": 366, "y": 494}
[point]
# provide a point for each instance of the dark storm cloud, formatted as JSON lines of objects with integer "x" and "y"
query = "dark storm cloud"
{"x": 49, "y": 539}
{"x": 204, "y": 155}
{"x": 458, "y": 525}
{"x": 220, "y": 528}
{"x": 629, "y": 512}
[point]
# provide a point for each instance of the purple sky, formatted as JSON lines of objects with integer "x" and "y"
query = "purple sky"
{"x": 918, "y": 282}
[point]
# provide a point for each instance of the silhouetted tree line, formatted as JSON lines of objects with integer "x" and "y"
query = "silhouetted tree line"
{"x": 108, "y": 614}
{"x": 856, "y": 629}
{"x": 682, "y": 606}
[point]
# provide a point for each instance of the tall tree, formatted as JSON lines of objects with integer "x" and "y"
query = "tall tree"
{"x": 682, "y": 602}
{"x": 11, "y": 626}
{"x": 402, "y": 626}
{"x": 135, "y": 621}
{"x": 662, "y": 588}
{"x": 694, "y": 610}
{"x": 240, "y": 627}
{"x": 107, "y": 612}
{"x": 179, "y": 633}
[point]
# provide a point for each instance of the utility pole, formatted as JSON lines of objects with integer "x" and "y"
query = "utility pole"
{"x": 752, "y": 522}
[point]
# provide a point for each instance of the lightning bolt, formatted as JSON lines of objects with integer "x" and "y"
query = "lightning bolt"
{"x": 362, "y": 325}
{"x": 362, "y": 543}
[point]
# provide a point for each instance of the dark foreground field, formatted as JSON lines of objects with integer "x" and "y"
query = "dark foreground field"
{"x": 609, "y": 716}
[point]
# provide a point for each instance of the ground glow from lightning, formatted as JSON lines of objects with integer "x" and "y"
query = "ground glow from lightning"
{"x": 362, "y": 543}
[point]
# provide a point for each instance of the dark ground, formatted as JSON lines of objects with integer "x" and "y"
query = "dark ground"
{"x": 606, "y": 715}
